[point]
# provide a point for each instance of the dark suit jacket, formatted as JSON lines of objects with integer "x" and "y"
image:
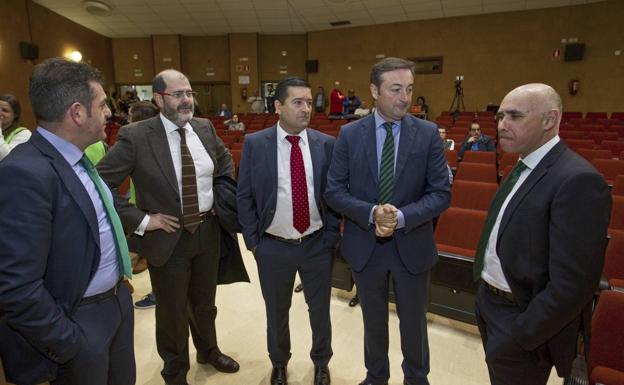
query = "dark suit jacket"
{"x": 142, "y": 152}
{"x": 421, "y": 190}
{"x": 257, "y": 183}
{"x": 551, "y": 245}
{"x": 485, "y": 143}
{"x": 49, "y": 251}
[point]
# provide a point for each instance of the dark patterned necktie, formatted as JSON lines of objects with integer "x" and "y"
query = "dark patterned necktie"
{"x": 386, "y": 168}
{"x": 495, "y": 207}
{"x": 190, "y": 202}
{"x": 299, "y": 187}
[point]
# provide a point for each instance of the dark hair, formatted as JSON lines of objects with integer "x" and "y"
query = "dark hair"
{"x": 281, "y": 91}
{"x": 443, "y": 128}
{"x": 421, "y": 98}
{"x": 17, "y": 110}
{"x": 142, "y": 110}
{"x": 389, "y": 64}
{"x": 57, "y": 83}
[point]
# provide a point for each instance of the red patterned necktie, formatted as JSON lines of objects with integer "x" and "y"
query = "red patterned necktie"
{"x": 301, "y": 210}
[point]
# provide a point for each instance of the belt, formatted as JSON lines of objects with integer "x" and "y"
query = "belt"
{"x": 102, "y": 296}
{"x": 206, "y": 214}
{"x": 295, "y": 241}
{"x": 501, "y": 293}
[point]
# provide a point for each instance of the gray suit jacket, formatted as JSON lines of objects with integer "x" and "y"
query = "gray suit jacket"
{"x": 142, "y": 152}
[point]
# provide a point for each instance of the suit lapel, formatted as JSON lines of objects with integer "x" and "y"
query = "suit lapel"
{"x": 270, "y": 151}
{"x": 69, "y": 178}
{"x": 317, "y": 155}
{"x": 370, "y": 145}
{"x": 406, "y": 143}
{"x": 157, "y": 139}
{"x": 536, "y": 175}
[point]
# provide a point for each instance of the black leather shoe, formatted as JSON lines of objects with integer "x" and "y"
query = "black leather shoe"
{"x": 321, "y": 375}
{"x": 278, "y": 376}
{"x": 299, "y": 288}
{"x": 220, "y": 361}
{"x": 354, "y": 301}
{"x": 367, "y": 382}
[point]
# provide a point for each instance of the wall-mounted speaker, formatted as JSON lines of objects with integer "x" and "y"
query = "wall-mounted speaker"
{"x": 311, "y": 66}
{"x": 574, "y": 52}
{"x": 29, "y": 51}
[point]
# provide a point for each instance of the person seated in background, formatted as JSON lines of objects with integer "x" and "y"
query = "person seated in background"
{"x": 12, "y": 133}
{"x": 420, "y": 102}
{"x": 362, "y": 111}
{"x": 449, "y": 144}
{"x": 234, "y": 124}
{"x": 351, "y": 103}
{"x": 224, "y": 111}
{"x": 476, "y": 141}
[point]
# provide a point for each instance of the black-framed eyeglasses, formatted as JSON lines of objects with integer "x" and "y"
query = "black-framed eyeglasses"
{"x": 179, "y": 94}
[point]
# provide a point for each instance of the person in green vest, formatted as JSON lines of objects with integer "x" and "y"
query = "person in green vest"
{"x": 12, "y": 133}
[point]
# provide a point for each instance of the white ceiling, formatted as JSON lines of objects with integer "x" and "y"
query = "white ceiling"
{"x": 141, "y": 18}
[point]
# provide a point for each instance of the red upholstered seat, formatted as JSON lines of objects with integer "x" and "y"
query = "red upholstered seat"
{"x": 477, "y": 172}
{"x": 606, "y": 355}
{"x": 483, "y": 157}
{"x": 458, "y": 231}
{"x": 609, "y": 168}
{"x": 472, "y": 195}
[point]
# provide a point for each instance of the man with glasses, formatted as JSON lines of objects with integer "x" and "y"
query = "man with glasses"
{"x": 172, "y": 159}
{"x": 476, "y": 141}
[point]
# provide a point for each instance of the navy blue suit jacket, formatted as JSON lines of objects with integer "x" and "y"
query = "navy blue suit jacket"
{"x": 49, "y": 251}
{"x": 421, "y": 190}
{"x": 257, "y": 183}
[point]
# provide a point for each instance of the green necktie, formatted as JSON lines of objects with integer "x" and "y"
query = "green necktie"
{"x": 118, "y": 233}
{"x": 495, "y": 207}
{"x": 386, "y": 168}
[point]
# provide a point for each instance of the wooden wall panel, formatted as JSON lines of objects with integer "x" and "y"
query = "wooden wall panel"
{"x": 134, "y": 60}
{"x": 206, "y": 59}
{"x": 166, "y": 52}
{"x": 243, "y": 64}
{"x": 274, "y": 65}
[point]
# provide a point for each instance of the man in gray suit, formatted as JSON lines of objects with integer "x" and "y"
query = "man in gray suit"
{"x": 172, "y": 160}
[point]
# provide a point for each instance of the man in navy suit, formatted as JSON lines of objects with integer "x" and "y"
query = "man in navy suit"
{"x": 287, "y": 225}
{"x": 541, "y": 252}
{"x": 388, "y": 177}
{"x": 64, "y": 317}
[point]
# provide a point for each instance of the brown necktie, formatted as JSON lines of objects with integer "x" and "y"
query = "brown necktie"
{"x": 190, "y": 203}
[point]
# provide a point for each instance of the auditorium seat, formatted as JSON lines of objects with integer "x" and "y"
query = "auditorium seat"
{"x": 236, "y": 156}
{"x": 617, "y": 115}
{"x": 568, "y": 115}
{"x": 458, "y": 231}
{"x": 614, "y": 257}
{"x": 596, "y": 115}
{"x": 617, "y": 213}
{"x": 618, "y": 185}
{"x": 606, "y": 355}
{"x": 489, "y": 131}
{"x": 457, "y": 137}
{"x": 616, "y": 146}
{"x": 575, "y": 144}
{"x": 483, "y": 157}
{"x": 609, "y": 168}
{"x": 571, "y": 134}
{"x": 477, "y": 172}
{"x": 472, "y": 195}
{"x": 451, "y": 158}
{"x": 589, "y": 155}
{"x": 600, "y": 136}
{"x": 507, "y": 159}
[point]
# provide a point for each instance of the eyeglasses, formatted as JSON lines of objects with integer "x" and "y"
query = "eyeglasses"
{"x": 179, "y": 94}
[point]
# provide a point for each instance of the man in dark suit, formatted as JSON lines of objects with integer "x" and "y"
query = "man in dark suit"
{"x": 542, "y": 248}
{"x": 287, "y": 225}
{"x": 388, "y": 177}
{"x": 172, "y": 159}
{"x": 64, "y": 316}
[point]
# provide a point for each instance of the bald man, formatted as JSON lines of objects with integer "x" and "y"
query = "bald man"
{"x": 542, "y": 248}
{"x": 172, "y": 159}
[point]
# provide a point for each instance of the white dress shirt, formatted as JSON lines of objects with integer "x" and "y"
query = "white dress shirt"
{"x": 282, "y": 224}
{"x": 492, "y": 271}
{"x": 204, "y": 167}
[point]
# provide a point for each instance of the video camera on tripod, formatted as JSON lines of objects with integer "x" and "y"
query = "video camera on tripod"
{"x": 458, "y": 100}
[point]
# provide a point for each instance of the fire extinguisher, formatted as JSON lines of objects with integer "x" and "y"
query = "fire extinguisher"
{"x": 244, "y": 93}
{"x": 574, "y": 86}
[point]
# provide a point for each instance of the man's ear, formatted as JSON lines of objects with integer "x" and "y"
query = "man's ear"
{"x": 278, "y": 106}
{"x": 549, "y": 120}
{"x": 77, "y": 113}
{"x": 374, "y": 91}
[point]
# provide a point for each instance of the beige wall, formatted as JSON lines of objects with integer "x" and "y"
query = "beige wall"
{"x": 55, "y": 36}
{"x": 494, "y": 52}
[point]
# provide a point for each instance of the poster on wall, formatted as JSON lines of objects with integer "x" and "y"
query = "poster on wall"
{"x": 243, "y": 79}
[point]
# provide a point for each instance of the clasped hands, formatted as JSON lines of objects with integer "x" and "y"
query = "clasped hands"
{"x": 386, "y": 220}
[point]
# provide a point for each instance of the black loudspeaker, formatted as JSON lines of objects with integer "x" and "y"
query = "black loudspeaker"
{"x": 29, "y": 51}
{"x": 311, "y": 66}
{"x": 574, "y": 52}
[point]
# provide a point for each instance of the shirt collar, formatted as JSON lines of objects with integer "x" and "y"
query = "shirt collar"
{"x": 282, "y": 134}
{"x": 533, "y": 159}
{"x": 70, "y": 152}
{"x": 172, "y": 127}
{"x": 379, "y": 121}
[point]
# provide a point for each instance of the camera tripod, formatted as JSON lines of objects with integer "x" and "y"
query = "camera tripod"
{"x": 458, "y": 100}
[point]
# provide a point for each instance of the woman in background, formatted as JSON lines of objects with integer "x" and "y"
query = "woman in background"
{"x": 12, "y": 133}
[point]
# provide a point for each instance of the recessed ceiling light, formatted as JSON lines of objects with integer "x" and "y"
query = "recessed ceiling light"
{"x": 97, "y": 7}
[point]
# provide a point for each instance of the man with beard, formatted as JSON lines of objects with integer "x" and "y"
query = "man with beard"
{"x": 389, "y": 179}
{"x": 287, "y": 225}
{"x": 172, "y": 159}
